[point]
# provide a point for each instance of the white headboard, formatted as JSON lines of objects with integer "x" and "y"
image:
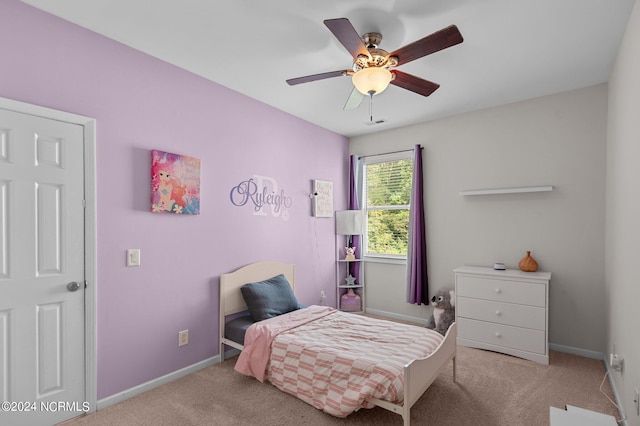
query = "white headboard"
{"x": 231, "y": 300}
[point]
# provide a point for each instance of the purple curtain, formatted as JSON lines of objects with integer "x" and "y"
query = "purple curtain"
{"x": 417, "y": 291}
{"x": 354, "y": 205}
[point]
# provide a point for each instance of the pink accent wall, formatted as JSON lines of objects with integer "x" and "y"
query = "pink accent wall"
{"x": 141, "y": 103}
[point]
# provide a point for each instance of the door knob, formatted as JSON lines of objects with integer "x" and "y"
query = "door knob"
{"x": 73, "y": 286}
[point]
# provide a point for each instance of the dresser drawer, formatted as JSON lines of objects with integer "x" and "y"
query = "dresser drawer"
{"x": 503, "y": 313}
{"x": 500, "y": 290}
{"x": 503, "y": 335}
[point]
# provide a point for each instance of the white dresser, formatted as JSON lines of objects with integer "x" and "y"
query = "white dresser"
{"x": 503, "y": 311}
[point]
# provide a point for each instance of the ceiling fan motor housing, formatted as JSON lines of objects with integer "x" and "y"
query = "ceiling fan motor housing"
{"x": 372, "y": 39}
{"x": 378, "y": 58}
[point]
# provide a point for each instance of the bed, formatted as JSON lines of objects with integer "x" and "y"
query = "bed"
{"x": 403, "y": 377}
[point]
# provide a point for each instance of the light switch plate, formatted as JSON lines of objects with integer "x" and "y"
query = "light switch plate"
{"x": 133, "y": 257}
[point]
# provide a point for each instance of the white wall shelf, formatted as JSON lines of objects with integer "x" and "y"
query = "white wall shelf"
{"x": 546, "y": 188}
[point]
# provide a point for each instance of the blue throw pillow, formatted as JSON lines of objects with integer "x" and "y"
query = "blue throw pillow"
{"x": 269, "y": 298}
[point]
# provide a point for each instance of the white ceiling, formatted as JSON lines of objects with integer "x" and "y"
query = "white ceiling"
{"x": 512, "y": 49}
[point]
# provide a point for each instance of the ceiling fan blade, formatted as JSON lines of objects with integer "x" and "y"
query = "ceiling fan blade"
{"x": 446, "y": 37}
{"x": 413, "y": 83}
{"x": 354, "y": 101}
{"x": 347, "y": 35}
{"x": 314, "y": 77}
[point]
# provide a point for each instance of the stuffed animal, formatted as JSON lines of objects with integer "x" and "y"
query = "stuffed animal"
{"x": 444, "y": 310}
{"x": 350, "y": 253}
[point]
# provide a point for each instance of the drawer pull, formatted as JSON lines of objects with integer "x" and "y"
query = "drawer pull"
{"x": 498, "y": 291}
{"x": 498, "y": 334}
{"x": 498, "y": 313}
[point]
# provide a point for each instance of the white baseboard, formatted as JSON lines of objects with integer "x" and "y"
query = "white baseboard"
{"x": 231, "y": 352}
{"x": 576, "y": 351}
{"x": 610, "y": 371}
{"x": 421, "y": 321}
{"x": 137, "y": 390}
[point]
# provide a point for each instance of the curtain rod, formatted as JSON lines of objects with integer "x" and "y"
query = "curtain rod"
{"x": 387, "y": 153}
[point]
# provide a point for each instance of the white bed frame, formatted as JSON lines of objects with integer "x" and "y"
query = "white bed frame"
{"x": 419, "y": 374}
{"x": 231, "y": 301}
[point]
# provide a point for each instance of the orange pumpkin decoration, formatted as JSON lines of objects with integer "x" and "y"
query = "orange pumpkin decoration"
{"x": 528, "y": 263}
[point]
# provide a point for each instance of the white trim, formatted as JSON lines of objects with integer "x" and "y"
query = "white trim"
{"x": 144, "y": 387}
{"x": 379, "y": 258}
{"x": 231, "y": 353}
{"x": 576, "y": 351}
{"x": 90, "y": 239}
{"x": 91, "y": 274}
{"x": 393, "y": 315}
{"x": 612, "y": 382}
{"x": 384, "y": 158}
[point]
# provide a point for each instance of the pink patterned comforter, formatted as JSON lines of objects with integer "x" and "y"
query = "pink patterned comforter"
{"x": 334, "y": 360}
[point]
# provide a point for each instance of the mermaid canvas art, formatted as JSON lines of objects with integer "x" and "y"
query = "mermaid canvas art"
{"x": 175, "y": 183}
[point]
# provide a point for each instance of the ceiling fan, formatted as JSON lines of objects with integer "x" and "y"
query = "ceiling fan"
{"x": 370, "y": 72}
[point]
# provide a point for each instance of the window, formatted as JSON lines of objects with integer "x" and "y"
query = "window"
{"x": 387, "y": 193}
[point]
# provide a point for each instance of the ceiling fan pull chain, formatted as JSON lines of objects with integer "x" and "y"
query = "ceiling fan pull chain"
{"x": 371, "y": 106}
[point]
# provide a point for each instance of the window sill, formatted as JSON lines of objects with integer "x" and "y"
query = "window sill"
{"x": 386, "y": 259}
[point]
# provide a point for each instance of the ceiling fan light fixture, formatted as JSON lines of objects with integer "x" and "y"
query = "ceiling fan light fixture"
{"x": 372, "y": 80}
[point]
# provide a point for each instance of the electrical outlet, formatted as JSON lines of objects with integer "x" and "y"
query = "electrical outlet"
{"x": 636, "y": 401}
{"x": 183, "y": 337}
{"x": 615, "y": 362}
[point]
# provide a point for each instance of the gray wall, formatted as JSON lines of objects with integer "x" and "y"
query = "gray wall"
{"x": 623, "y": 215}
{"x": 557, "y": 140}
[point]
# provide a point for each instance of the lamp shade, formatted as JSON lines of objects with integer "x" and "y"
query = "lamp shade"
{"x": 348, "y": 222}
{"x": 371, "y": 79}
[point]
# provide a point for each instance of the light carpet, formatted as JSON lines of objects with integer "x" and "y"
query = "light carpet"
{"x": 492, "y": 389}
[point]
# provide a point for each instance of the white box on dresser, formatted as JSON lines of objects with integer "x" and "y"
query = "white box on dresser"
{"x": 503, "y": 311}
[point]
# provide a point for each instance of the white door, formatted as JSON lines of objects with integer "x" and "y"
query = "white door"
{"x": 42, "y": 338}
